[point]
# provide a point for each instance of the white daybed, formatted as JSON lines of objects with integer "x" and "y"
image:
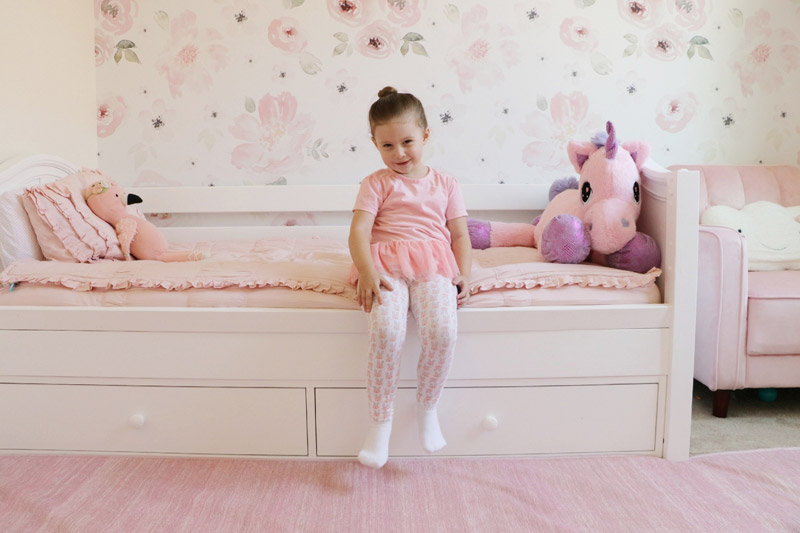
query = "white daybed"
{"x": 290, "y": 382}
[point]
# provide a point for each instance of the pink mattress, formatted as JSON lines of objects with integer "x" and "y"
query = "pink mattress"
{"x": 304, "y": 273}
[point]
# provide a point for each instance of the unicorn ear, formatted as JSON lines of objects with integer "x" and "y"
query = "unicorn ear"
{"x": 579, "y": 152}
{"x": 639, "y": 150}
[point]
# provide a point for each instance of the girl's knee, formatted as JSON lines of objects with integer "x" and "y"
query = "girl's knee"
{"x": 442, "y": 333}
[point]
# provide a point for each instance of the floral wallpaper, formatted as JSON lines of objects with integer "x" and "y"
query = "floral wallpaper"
{"x": 232, "y": 92}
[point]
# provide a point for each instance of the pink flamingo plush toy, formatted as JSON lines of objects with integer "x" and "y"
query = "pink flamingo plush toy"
{"x": 138, "y": 238}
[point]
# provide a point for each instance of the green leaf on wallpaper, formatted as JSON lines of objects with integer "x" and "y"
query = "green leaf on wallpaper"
{"x": 118, "y": 55}
{"x": 601, "y": 64}
{"x": 737, "y": 17}
{"x": 404, "y": 48}
{"x": 124, "y": 44}
{"x": 162, "y": 19}
{"x": 341, "y": 36}
{"x": 340, "y": 48}
{"x": 690, "y": 51}
{"x": 249, "y": 105}
{"x": 310, "y": 63}
{"x": 630, "y": 50}
{"x": 317, "y": 151}
{"x": 699, "y": 39}
{"x": 584, "y": 3}
{"x": 451, "y": 10}
{"x": 293, "y": 3}
{"x": 131, "y": 56}
{"x": 419, "y": 49}
{"x": 631, "y": 38}
{"x": 703, "y": 52}
{"x": 411, "y": 36}
{"x": 541, "y": 103}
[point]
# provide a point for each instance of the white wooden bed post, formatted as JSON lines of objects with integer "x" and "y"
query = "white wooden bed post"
{"x": 681, "y": 293}
{"x": 679, "y": 242}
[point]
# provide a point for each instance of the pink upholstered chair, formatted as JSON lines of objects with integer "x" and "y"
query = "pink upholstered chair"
{"x": 748, "y": 323}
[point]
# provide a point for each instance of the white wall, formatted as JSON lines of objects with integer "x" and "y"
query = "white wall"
{"x": 47, "y": 80}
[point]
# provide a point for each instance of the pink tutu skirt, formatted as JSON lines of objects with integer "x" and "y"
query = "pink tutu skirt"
{"x": 412, "y": 260}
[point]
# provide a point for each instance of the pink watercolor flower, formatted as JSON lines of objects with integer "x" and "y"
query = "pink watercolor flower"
{"x": 284, "y": 33}
{"x": 404, "y": 12}
{"x": 666, "y": 42}
{"x": 116, "y": 15}
{"x": 274, "y": 140}
{"x": 765, "y": 55}
{"x": 676, "y": 111}
{"x": 483, "y": 53}
{"x": 568, "y": 118}
{"x": 111, "y": 112}
{"x": 691, "y": 14}
{"x": 576, "y": 33}
{"x": 642, "y": 13}
{"x": 351, "y": 12}
{"x": 103, "y": 47}
{"x": 190, "y": 55}
{"x": 378, "y": 40}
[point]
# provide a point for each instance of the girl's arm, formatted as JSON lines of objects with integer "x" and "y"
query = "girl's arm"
{"x": 462, "y": 250}
{"x": 369, "y": 280}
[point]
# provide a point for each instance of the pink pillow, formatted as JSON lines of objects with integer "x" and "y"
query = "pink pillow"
{"x": 65, "y": 227}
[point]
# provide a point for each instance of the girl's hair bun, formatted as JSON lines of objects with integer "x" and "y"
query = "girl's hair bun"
{"x": 386, "y": 91}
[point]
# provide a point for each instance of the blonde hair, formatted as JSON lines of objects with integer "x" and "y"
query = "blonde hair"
{"x": 391, "y": 104}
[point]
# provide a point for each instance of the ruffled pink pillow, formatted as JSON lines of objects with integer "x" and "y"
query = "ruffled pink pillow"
{"x": 65, "y": 227}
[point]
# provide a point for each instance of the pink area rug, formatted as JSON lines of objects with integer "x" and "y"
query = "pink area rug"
{"x": 741, "y": 491}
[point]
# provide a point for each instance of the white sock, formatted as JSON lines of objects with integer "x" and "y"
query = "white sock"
{"x": 375, "y": 450}
{"x": 430, "y": 434}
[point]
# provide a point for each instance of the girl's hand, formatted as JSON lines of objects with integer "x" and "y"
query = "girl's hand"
{"x": 369, "y": 289}
{"x": 462, "y": 284}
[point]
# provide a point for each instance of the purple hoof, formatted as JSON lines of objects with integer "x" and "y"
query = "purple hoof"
{"x": 479, "y": 233}
{"x": 565, "y": 240}
{"x": 639, "y": 255}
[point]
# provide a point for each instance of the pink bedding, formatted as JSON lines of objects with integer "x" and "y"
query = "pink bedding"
{"x": 308, "y": 272}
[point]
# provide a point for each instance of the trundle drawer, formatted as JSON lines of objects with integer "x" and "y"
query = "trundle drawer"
{"x": 186, "y": 420}
{"x": 502, "y": 420}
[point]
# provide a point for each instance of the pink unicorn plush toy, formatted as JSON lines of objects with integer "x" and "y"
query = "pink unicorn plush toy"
{"x": 600, "y": 215}
{"x": 138, "y": 238}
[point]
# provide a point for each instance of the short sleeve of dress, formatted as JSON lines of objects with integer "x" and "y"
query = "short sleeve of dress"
{"x": 455, "y": 202}
{"x": 369, "y": 196}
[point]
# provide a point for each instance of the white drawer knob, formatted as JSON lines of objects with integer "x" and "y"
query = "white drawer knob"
{"x": 489, "y": 423}
{"x": 137, "y": 420}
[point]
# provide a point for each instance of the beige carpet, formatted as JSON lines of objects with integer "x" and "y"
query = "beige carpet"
{"x": 751, "y": 423}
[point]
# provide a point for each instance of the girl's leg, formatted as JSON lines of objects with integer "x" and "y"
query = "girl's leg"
{"x": 387, "y": 332}
{"x": 434, "y": 306}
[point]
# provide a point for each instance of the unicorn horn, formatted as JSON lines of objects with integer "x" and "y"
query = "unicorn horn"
{"x": 611, "y": 142}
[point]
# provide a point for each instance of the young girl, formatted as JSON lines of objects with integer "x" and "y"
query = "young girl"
{"x": 410, "y": 245}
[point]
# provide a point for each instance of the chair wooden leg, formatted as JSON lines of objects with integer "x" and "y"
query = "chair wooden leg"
{"x": 721, "y": 400}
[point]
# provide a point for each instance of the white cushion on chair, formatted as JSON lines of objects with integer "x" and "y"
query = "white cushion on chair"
{"x": 772, "y": 232}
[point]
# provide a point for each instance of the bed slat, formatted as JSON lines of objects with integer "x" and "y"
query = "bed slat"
{"x": 316, "y": 198}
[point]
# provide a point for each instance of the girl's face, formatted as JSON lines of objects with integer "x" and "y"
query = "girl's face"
{"x": 400, "y": 142}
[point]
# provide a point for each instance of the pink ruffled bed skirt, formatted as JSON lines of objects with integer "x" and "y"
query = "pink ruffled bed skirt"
{"x": 412, "y": 260}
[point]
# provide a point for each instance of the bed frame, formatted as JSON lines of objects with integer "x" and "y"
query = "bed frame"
{"x": 291, "y": 382}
